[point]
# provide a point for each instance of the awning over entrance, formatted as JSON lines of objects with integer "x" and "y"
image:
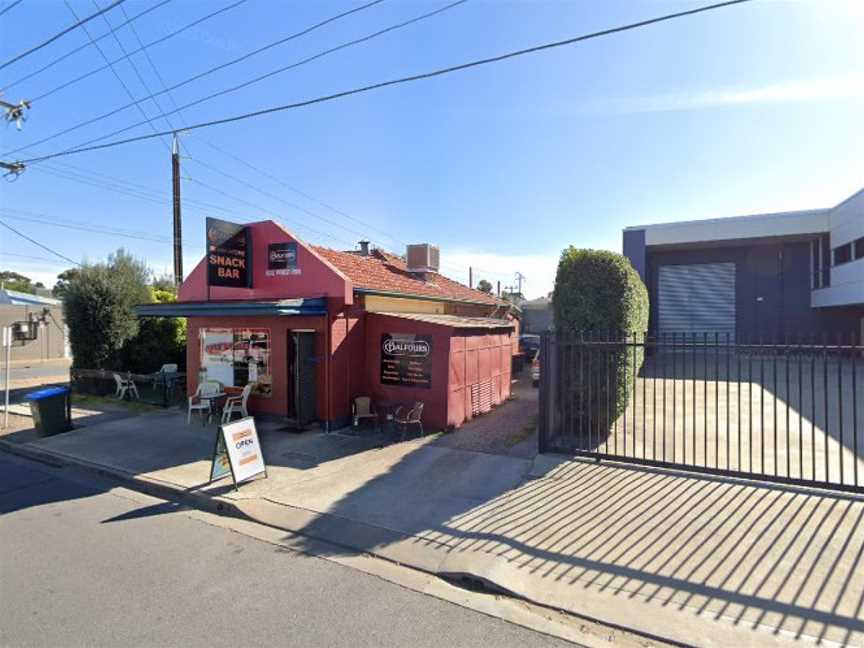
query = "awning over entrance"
{"x": 282, "y": 307}
{"x": 453, "y": 321}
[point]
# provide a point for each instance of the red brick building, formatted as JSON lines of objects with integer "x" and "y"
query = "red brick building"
{"x": 314, "y": 328}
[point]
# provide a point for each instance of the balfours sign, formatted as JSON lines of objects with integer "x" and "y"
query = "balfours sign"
{"x": 229, "y": 254}
{"x": 282, "y": 259}
{"x": 406, "y": 360}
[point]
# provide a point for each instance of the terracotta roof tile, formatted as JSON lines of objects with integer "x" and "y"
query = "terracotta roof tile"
{"x": 388, "y": 273}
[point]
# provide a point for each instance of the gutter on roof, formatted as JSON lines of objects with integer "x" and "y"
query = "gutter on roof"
{"x": 399, "y": 295}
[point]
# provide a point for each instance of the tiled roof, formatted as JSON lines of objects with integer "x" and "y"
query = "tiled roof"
{"x": 454, "y": 321}
{"x": 388, "y": 273}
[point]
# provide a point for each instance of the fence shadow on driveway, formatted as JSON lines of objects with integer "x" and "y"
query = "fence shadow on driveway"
{"x": 750, "y": 554}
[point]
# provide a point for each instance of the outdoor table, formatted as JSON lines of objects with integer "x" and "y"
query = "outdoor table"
{"x": 387, "y": 409}
{"x": 217, "y": 402}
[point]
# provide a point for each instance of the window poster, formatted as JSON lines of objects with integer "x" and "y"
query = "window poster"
{"x": 252, "y": 359}
{"x": 236, "y": 357}
{"x": 216, "y": 355}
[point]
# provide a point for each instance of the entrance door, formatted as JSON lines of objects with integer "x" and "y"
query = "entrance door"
{"x": 301, "y": 373}
{"x": 767, "y": 269}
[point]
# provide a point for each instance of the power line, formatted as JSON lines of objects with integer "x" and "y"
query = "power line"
{"x": 282, "y": 182}
{"x": 62, "y": 58}
{"x": 11, "y": 5}
{"x": 137, "y": 103}
{"x": 35, "y": 258}
{"x": 266, "y": 210}
{"x": 162, "y": 39}
{"x": 38, "y": 244}
{"x": 283, "y": 69}
{"x": 243, "y": 85}
{"x": 79, "y": 23}
{"x": 85, "y": 228}
{"x": 398, "y": 81}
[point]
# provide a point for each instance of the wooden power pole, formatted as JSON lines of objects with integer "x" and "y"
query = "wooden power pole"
{"x": 178, "y": 227}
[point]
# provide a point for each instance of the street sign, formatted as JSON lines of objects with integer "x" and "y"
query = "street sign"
{"x": 238, "y": 451}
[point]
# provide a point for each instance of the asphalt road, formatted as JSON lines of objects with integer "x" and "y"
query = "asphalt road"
{"x": 83, "y": 565}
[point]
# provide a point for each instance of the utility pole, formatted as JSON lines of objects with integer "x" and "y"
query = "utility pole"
{"x": 178, "y": 229}
{"x": 499, "y": 288}
{"x": 520, "y": 278}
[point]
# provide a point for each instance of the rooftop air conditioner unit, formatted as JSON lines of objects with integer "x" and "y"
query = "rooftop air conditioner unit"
{"x": 423, "y": 257}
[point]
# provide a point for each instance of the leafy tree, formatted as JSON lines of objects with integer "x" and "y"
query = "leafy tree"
{"x": 484, "y": 286}
{"x": 160, "y": 340}
{"x": 98, "y": 304}
{"x": 165, "y": 282}
{"x": 14, "y": 281}
{"x": 62, "y": 283}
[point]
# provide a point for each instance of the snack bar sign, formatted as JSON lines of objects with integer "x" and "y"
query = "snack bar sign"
{"x": 406, "y": 360}
{"x": 229, "y": 254}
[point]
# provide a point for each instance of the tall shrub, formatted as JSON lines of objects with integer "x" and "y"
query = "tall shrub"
{"x": 159, "y": 340}
{"x": 98, "y": 304}
{"x": 598, "y": 296}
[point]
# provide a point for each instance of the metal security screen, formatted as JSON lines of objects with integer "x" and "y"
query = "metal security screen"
{"x": 696, "y": 298}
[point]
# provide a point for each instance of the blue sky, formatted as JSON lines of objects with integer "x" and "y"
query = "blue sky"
{"x": 747, "y": 109}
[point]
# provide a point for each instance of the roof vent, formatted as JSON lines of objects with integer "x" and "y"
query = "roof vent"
{"x": 423, "y": 257}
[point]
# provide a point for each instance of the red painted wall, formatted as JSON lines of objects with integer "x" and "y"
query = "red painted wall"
{"x": 348, "y": 362}
{"x": 479, "y": 373}
{"x": 318, "y": 278}
{"x": 280, "y": 328}
{"x": 435, "y": 398}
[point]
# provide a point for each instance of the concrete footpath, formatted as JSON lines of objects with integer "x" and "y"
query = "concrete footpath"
{"x": 690, "y": 559}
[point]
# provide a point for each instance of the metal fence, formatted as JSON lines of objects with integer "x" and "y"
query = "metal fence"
{"x": 162, "y": 390}
{"x": 708, "y": 403}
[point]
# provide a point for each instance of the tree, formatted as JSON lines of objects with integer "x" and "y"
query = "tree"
{"x": 98, "y": 304}
{"x": 160, "y": 340}
{"x": 484, "y": 286}
{"x": 14, "y": 281}
{"x": 165, "y": 282}
{"x": 62, "y": 283}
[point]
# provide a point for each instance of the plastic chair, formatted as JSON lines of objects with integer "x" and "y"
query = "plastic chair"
{"x": 235, "y": 404}
{"x": 165, "y": 372}
{"x": 407, "y": 417}
{"x": 361, "y": 409}
{"x": 124, "y": 386}
{"x": 201, "y": 400}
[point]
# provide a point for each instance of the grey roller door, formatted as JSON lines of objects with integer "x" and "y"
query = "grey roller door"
{"x": 697, "y": 298}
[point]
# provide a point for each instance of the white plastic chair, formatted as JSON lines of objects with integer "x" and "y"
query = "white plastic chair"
{"x": 361, "y": 409}
{"x": 237, "y": 404}
{"x": 124, "y": 386}
{"x": 200, "y": 401}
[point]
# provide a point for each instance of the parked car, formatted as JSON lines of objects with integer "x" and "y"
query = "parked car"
{"x": 529, "y": 344}
{"x": 535, "y": 370}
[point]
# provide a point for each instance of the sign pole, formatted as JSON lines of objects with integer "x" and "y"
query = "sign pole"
{"x": 7, "y": 343}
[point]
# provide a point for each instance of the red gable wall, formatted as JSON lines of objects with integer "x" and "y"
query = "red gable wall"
{"x": 318, "y": 277}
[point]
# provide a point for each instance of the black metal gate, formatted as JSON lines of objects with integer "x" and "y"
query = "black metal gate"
{"x": 789, "y": 413}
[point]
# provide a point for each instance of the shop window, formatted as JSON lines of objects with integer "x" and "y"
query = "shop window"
{"x": 859, "y": 248}
{"x": 236, "y": 357}
{"x": 843, "y": 254}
